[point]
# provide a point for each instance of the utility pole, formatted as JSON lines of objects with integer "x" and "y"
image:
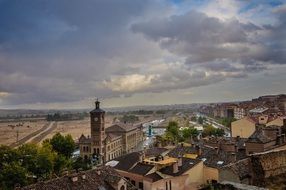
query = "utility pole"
{"x": 17, "y": 135}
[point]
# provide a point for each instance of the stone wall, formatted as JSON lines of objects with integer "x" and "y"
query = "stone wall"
{"x": 273, "y": 163}
{"x": 258, "y": 167}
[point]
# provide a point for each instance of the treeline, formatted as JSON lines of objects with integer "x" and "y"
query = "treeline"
{"x": 129, "y": 119}
{"x": 226, "y": 121}
{"x": 175, "y": 134}
{"x": 141, "y": 112}
{"x": 66, "y": 116}
{"x": 30, "y": 163}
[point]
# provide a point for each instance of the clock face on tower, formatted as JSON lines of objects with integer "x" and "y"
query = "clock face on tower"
{"x": 96, "y": 119}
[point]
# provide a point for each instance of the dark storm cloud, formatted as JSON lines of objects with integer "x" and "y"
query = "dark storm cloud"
{"x": 68, "y": 50}
{"x": 202, "y": 39}
{"x": 54, "y": 51}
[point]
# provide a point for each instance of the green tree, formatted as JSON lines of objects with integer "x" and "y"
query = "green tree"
{"x": 12, "y": 174}
{"x": 61, "y": 163}
{"x": 63, "y": 145}
{"x": 226, "y": 121}
{"x": 194, "y": 118}
{"x": 28, "y": 155}
{"x": 200, "y": 120}
{"x": 129, "y": 119}
{"x": 211, "y": 131}
{"x": 219, "y": 132}
{"x": 7, "y": 155}
{"x": 81, "y": 163}
{"x": 44, "y": 162}
{"x": 189, "y": 133}
{"x": 173, "y": 129}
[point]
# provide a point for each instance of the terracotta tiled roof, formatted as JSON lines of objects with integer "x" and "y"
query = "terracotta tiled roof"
{"x": 252, "y": 119}
{"x": 240, "y": 168}
{"x": 127, "y": 161}
{"x": 155, "y": 151}
{"x": 180, "y": 150}
{"x": 121, "y": 127}
{"x": 187, "y": 164}
{"x": 218, "y": 158}
{"x": 141, "y": 168}
{"x": 104, "y": 178}
{"x": 114, "y": 136}
{"x": 258, "y": 137}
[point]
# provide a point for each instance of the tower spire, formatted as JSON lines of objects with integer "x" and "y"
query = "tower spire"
{"x": 97, "y": 104}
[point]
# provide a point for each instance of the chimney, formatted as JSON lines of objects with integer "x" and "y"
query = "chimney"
{"x": 175, "y": 167}
{"x": 180, "y": 161}
{"x": 74, "y": 179}
{"x": 217, "y": 150}
{"x": 199, "y": 150}
{"x": 142, "y": 156}
{"x": 233, "y": 157}
{"x": 256, "y": 126}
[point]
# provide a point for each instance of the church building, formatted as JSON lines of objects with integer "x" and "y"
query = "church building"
{"x": 111, "y": 142}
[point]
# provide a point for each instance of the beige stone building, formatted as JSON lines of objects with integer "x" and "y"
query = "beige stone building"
{"x": 160, "y": 172}
{"x": 246, "y": 126}
{"x": 279, "y": 121}
{"x": 243, "y": 127}
{"x": 108, "y": 143}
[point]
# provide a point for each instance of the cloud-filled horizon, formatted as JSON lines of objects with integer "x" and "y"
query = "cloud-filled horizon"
{"x": 62, "y": 54}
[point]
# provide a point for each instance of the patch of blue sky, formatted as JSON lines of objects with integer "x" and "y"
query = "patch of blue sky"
{"x": 255, "y": 3}
{"x": 184, "y": 6}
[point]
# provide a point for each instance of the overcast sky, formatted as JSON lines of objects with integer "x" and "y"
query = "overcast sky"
{"x": 64, "y": 53}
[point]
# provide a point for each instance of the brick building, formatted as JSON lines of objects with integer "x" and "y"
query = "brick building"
{"x": 108, "y": 143}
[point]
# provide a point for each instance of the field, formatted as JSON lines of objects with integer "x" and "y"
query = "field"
{"x": 37, "y": 131}
{"x": 9, "y": 130}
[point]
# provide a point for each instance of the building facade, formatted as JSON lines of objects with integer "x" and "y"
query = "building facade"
{"x": 107, "y": 143}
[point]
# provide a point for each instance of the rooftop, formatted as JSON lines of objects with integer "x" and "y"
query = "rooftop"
{"x": 127, "y": 161}
{"x": 120, "y": 127}
{"x": 103, "y": 178}
{"x": 187, "y": 163}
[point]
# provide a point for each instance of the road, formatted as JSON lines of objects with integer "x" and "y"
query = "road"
{"x": 37, "y": 138}
{"x": 148, "y": 141}
{"x": 31, "y": 136}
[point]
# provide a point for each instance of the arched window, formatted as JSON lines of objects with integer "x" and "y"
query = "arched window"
{"x": 122, "y": 187}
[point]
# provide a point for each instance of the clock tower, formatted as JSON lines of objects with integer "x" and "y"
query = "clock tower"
{"x": 97, "y": 130}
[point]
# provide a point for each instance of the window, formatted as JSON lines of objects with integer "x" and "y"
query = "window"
{"x": 133, "y": 182}
{"x": 122, "y": 187}
{"x": 166, "y": 185}
{"x": 170, "y": 185}
{"x": 141, "y": 185}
